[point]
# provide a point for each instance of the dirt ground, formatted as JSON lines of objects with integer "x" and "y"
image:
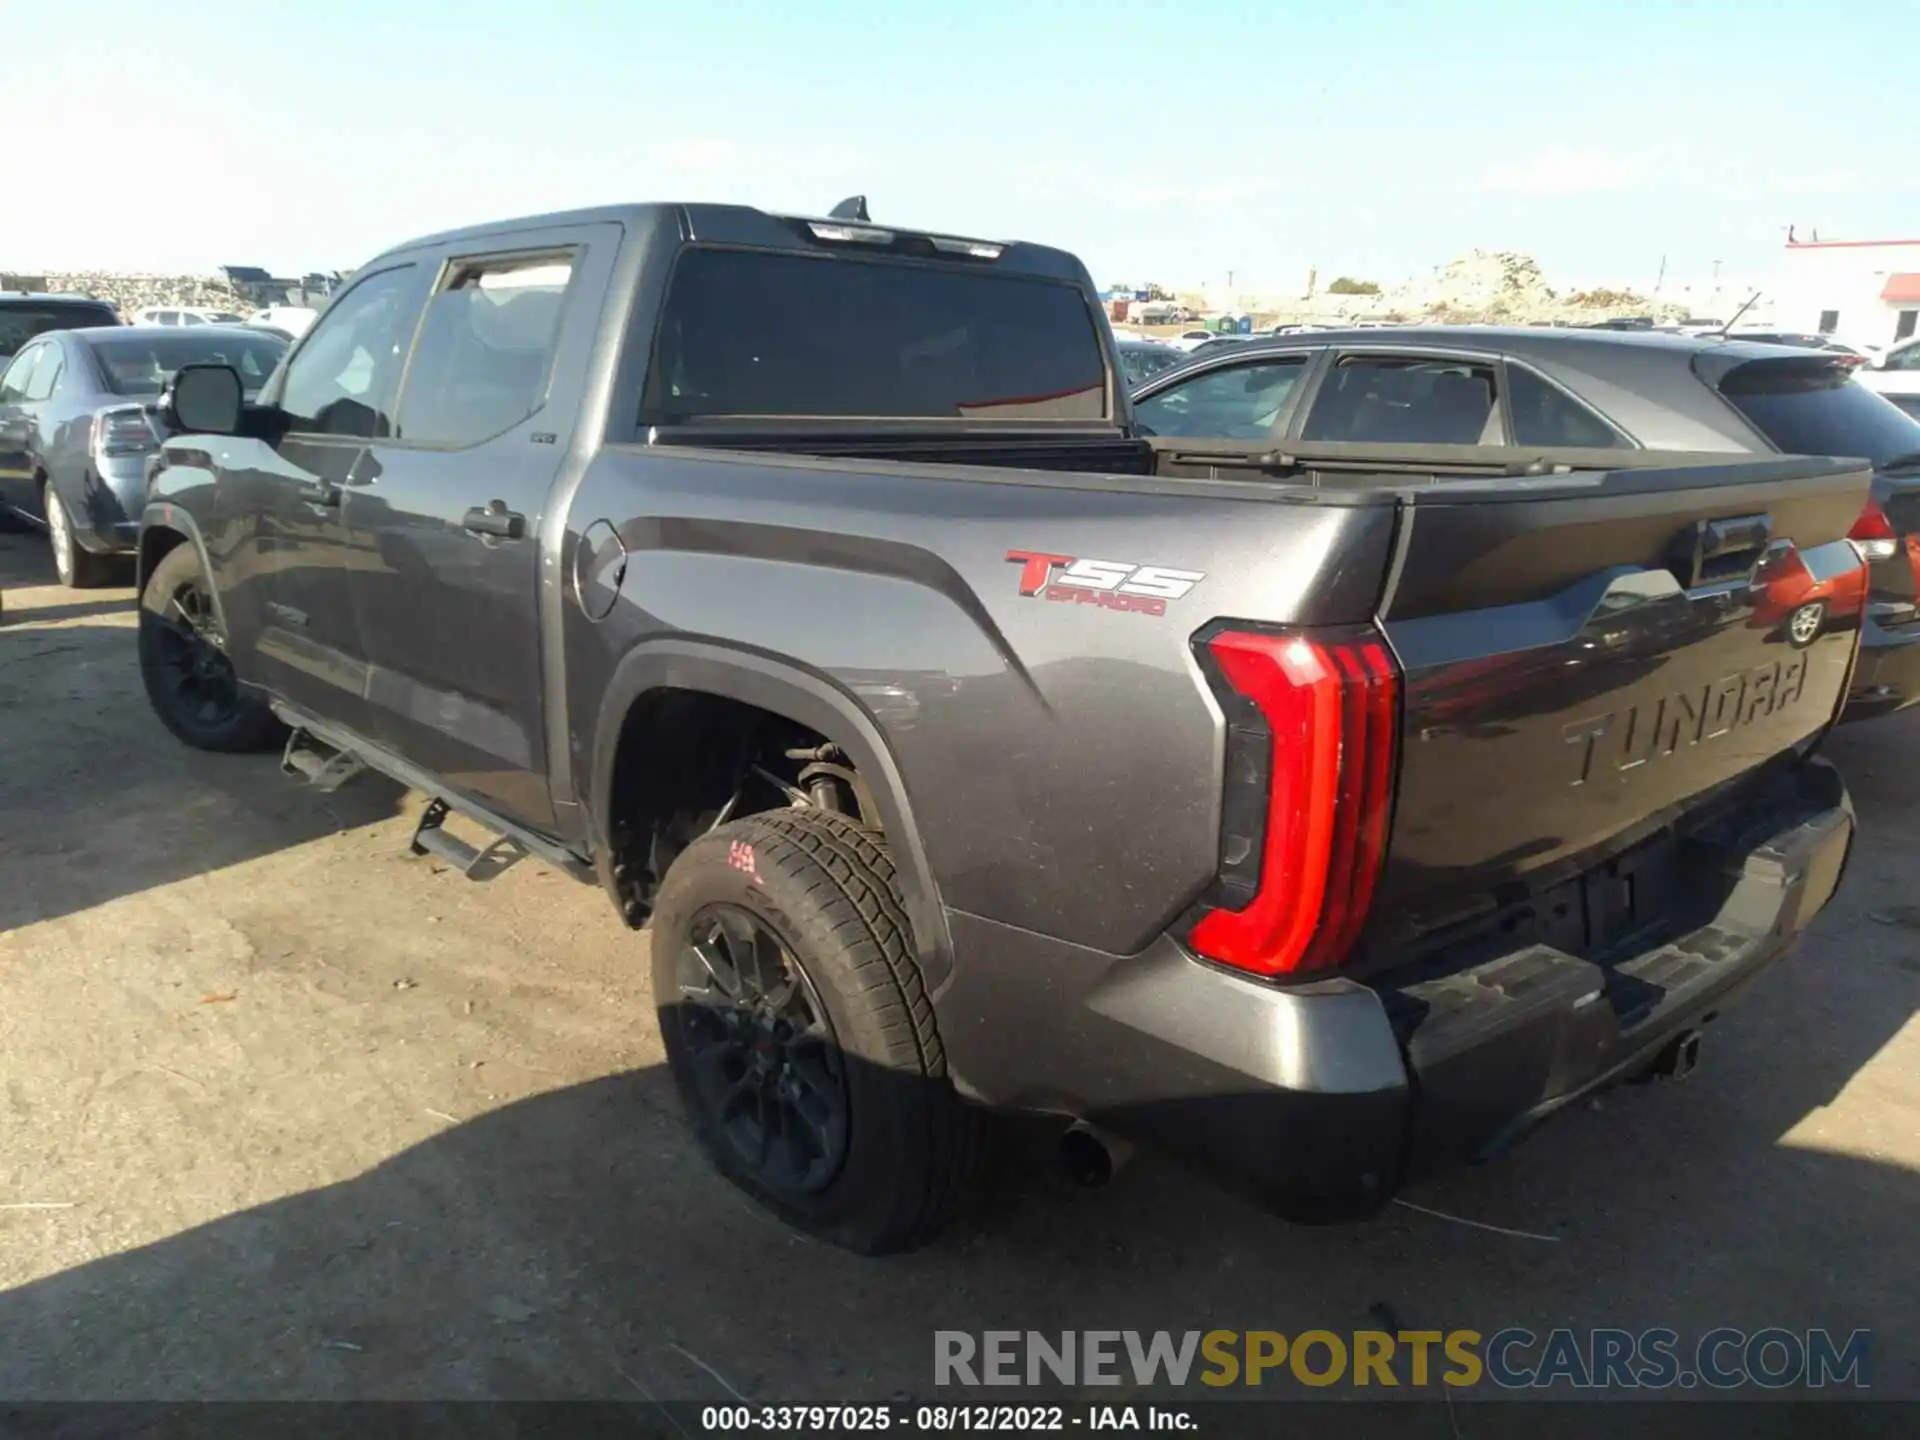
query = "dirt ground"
{"x": 289, "y": 1113}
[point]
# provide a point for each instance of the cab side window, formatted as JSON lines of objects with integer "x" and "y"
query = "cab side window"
{"x": 344, "y": 378}
{"x": 486, "y": 346}
{"x": 1234, "y": 402}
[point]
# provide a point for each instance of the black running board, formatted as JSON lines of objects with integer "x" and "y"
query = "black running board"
{"x": 329, "y": 757}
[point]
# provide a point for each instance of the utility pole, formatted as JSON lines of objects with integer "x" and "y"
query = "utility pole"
{"x": 1658, "y": 279}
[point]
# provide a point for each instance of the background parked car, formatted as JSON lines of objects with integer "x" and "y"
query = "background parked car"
{"x": 1188, "y": 339}
{"x": 1217, "y": 343}
{"x": 78, "y": 423}
{"x": 1584, "y": 389}
{"x": 23, "y": 316}
{"x": 185, "y": 315}
{"x": 1896, "y": 375}
{"x": 290, "y": 320}
{"x": 1142, "y": 359}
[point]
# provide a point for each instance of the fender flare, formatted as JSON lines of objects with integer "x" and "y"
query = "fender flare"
{"x": 165, "y": 515}
{"x": 802, "y": 695}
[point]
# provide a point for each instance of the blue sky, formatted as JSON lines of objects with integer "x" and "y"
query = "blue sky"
{"x": 1166, "y": 142}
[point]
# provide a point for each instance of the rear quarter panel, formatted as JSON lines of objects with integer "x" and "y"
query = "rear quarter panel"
{"x": 1061, "y": 758}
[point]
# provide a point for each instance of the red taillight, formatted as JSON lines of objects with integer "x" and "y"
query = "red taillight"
{"x": 122, "y": 432}
{"x": 1873, "y": 534}
{"x": 1317, "y": 725}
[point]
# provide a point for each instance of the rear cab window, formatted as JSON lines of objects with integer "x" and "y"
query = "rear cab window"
{"x": 748, "y": 334}
{"x": 1811, "y": 406}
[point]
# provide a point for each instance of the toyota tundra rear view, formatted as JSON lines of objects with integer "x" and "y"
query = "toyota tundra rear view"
{"x": 1319, "y": 812}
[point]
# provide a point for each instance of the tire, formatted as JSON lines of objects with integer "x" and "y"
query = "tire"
{"x": 78, "y": 567}
{"x": 825, "y": 892}
{"x": 1805, "y": 623}
{"x": 205, "y": 707}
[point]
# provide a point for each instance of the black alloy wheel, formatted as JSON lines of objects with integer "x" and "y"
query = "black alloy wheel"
{"x": 190, "y": 680}
{"x": 765, "y": 1062}
{"x": 192, "y": 664}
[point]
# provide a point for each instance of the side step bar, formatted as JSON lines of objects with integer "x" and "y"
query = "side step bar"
{"x": 430, "y": 839}
{"x": 326, "y": 768}
{"x": 329, "y": 758}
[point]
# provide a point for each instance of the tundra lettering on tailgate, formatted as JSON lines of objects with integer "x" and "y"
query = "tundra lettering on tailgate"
{"x": 1623, "y": 740}
{"x": 1113, "y": 584}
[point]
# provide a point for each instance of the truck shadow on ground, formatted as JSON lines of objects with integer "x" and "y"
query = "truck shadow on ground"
{"x": 576, "y": 1245}
{"x": 97, "y": 800}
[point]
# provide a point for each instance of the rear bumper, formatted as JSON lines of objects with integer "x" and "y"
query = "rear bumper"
{"x": 1887, "y": 677}
{"x": 116, "y": 493}
{"x": 1321, "y": 1098}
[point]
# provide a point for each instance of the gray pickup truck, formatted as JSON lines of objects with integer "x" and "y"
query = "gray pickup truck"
{"x": 806, "y": 583}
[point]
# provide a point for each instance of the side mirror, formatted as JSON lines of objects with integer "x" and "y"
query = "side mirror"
{"x": 204, "y": 400}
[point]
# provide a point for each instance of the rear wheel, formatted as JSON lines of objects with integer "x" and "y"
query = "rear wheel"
{"x": 78, "y": 567}
{"x": 800, "y": 1034}
{"x": 1804, "y": 624}
{"x": 190, "y": 682}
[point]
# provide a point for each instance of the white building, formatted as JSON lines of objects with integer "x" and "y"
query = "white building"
{"x": 1866, "y": 292}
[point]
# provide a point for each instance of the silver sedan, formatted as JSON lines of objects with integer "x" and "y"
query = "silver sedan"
{"x": 79, "y": 421}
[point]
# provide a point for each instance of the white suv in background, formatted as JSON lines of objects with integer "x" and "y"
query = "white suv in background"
{"x": 290, "y": 320}
{"x": 1896, "y": 375}
{"x": 185, "y": 315}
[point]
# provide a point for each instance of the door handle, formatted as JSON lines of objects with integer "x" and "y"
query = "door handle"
{"x": 321, "y": 492}
{"x": 496, "y": 520}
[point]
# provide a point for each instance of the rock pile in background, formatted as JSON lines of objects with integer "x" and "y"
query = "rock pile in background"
{"x": 128, "y": 293}
{"x": 1482, "y": 287}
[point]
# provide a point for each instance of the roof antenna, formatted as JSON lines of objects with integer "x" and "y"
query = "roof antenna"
{"x": 1722, "y": 331}
{"x": 854, "y": 207}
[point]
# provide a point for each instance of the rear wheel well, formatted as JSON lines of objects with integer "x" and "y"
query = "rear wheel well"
{"x": 688, "y": 760}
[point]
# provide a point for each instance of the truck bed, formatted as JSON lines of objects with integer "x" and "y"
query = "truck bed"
{"x": 1064, "y": 732}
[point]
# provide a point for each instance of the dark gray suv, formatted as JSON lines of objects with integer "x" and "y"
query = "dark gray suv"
{"x": 1498, "y": 396}
{"x": 23, "y": 316}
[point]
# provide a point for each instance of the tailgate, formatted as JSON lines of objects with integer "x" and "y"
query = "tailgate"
{"x": 1587, "y": 661}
